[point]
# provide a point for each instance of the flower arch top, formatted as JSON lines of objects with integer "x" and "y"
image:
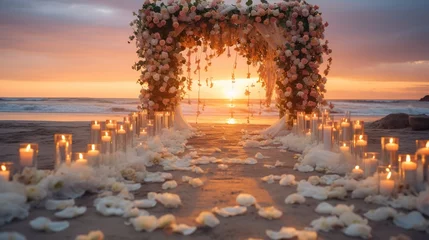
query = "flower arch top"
{"x": 285, "y": 39}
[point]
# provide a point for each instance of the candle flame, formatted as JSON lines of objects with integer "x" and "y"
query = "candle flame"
{"x": 110, "y": 121}
{"x": 373, "y": 156}
{"x": 231, "y": 121}
{"x": 122, "y": 127}
{"x": 360, "y": 137}
{"x": 80, "y": 156}
{"x": 63, "y": 137}
{"x": 408, "y": 158}
{"x": 357, "y": 122}
{"x": 95, "y": 122}
{"x": 3, "y": 167}
{"x": 93, "y": 147}
{"x": 391, "y": 140}
{"x": 389, "y": 175}
{"x": 314, "y": 115}
{"x": 387, "y": 170}
{"x": 28, "y": 148}
{"x": 427, "y": 144}
{"x": 357, "y": 167}
{"x": 344, "y": 145}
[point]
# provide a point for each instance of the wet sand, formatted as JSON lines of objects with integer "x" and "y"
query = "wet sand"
{"x": 220, "y": 188}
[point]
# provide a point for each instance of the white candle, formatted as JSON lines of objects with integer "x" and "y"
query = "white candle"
{"x": 344, "y": 148}
{"x": 63, "y": 141}
{"x": 345, "y": 124}
{"x": 95, "y": 126}
{"x": 387, "y": 185}
{"x": 391, "y": 146}
{"x": 93, "y": 152}
{"x": 327, "y": 137}
{"x": 4, "y": 173}
{"x": 121, "y": 130}
{"x": 409, "y": 170}
{"x": 308, "y": 134}
{"x": 110, "y": 125}
{"x": 81, "y": 160}
{"x": 425, "y": 150}
{"x": 26, "y": 156}
{"x": 357, "y": 125}
{"x": 361, "y": 142}
{"x": 106, "y": 138}
{"x": 357, "y": 172}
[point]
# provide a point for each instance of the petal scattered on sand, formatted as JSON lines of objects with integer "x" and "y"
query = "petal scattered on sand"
{"x": 381, "y": 214}
{"x": 169, "y": 200}
{"x": 349, "y": 218}
{"x": 58, "y": 204}
{"x": 324, "y": 208}
{"x": 169, "y": 185}
{"x": 45, "y": 224}
{"x": 413, "y": 220}
{"x": 12, "y": 236}
{"x": 222, "y": 166}
{"x": 326, "y": 224}
{"x": 166, "y": 220}
{"x": 270, "y": 213}
{"x": 230, "y": 211}
{"x": 287, "y": 180}
{"x": 183, "y": 229}
{"x": 196, "y": 182}
{"x": 341, "y": 208}
{"x": 146, "y": 223}
{"x": 284, "y": 233}
{"x": 268, "y": 179}
{"x": 245, "y": 199}
{"x": 133, "y": 212}
{"x": 145, "y": 203}
{"x": 207, "y": 219}
{"x": 71, "y": 212}
{"x": 295, "y": 198}
{"x": 93, "y": 235}
{"x": 358, "y": 230}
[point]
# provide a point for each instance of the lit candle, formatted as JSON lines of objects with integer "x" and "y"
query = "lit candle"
{"x": 127, "y": 120}
{"x": 391, "y": 146}
{"x": 357, "y": 126}
{"x": 106, "y": 137}
{"x": 345, "y": 148}
{"x": 63, "y": 141}
{"x": 4, "y": 173}
{"x": 110, "y": 125}
{"x": 424, "y": 151}
{"x": 81, "y": 160}
{"x": 93, "y": 152}
{"x": 143, "y": 133}
{"x": 409, "y": 170}
{"x": 121, "y": 130}
{"x": 95, "y": 126}
{"x": 308, "y": 134}
{"x": 345, "y": 124}
{"x": 387, "y": 185}
{"x": 357, "y": 172}
{"x": 361, "y": 142}
{"x": 26, "y": 156}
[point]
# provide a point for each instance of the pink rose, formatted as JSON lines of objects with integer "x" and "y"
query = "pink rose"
{"x": 258, "y": 19}
{"x": 299, "y": 86}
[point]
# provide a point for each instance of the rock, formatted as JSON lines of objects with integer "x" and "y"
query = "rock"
{"x": 419, "y": 122}
{"x": 425, "y": 98}
{"x": 391, "y": 121}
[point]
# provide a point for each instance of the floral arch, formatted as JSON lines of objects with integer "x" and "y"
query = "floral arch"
{"x": 284, "y": 39}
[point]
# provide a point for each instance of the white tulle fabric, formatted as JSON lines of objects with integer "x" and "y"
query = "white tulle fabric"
{"x": 179, "y": 121}
{"x": 279, "y": 128}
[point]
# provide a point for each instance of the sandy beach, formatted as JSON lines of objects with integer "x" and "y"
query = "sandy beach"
{"x": 220, "y": 187}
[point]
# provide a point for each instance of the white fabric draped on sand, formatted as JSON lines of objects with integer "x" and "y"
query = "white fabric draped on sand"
{"x": 279, "y": 128}
{"x": 179, "y": 121}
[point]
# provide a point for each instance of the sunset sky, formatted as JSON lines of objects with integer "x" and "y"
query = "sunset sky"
{"x": 62, "y": 48}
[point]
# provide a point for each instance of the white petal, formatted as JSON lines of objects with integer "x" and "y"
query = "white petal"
{"x": 287, "y": 180}
{"x": 58, "y": 226}
{"x": 207, "y": 219}
{"x": 166, "y": 220}
{"x": 169, "y": 185}
{"x": 12, "y": 236}
{"x": 230, "y": 211}
{"x": 341, "y": 208}
{"x": 183, "y": 229}
{"x": 169, "y": 200}
{"x": 326, "y": 224}
{"x": 133, "y": 187}
{"x": 306, "y": 235}
{"x": 93, "y": 235}
{"x": 270, "y": 213}
{"x": 381, "y": 214}
{"x": 295, "y": 198}
{"x": 45, "y": 224}
{"x": 71, "y": 212}
{"x": 284, "y": 233}
{"x": 245, "y": 199}
{"x": 358, "y": 230}
{"x": 147, "y": 223}
{"x": 145, "y": 203}
{"x": 58, "y": 204}
{"x": 324, "y": 208}
{"x": 222, "y": 166}
{"x": 196, "y": 182}
{"x": 349, "y": 218}
{"x": 412, "y": 220}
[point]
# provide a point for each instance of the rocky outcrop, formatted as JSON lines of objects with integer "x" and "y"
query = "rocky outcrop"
{"x": 419, "y": 122}
{"x": 425, "y": 98}
{"x": 391, "y": 121}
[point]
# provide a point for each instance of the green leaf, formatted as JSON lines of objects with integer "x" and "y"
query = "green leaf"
{"x": 264, "y": 1}
{"x": 249, "y": 3}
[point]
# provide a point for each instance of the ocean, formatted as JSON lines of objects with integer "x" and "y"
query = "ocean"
{"x": 212, "y": 110}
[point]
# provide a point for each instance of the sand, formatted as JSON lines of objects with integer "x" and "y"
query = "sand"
{"x": 220, "y": 188}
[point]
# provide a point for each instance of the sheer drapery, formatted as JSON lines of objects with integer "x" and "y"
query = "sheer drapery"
{"x": 279, "y": 128}
{"x": 179, "y": 121}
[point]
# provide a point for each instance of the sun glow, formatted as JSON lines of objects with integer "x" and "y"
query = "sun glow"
{"x": 231, "y": 121}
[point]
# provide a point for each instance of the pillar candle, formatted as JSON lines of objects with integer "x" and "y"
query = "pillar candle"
{"x": 81, "y": 160}
{"x": 370, "y": 166}
{"x": 327, "y": 138}
{"x": 409, "y": 170}
{"x": 26, "y": 156}
{"x": 424, "y": 151}
{"x": 344, "y": 148}
{"x": 4, "y": 173}
{"x": 387, "y": 185}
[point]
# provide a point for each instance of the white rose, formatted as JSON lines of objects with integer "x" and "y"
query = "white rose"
{"x": 156, "y": 77}
{"x": 172, "y": 90}
{"x": 288, "y": 53}
{"x": 287, "y": 94}
{"x": 154, "y": 41}
{"x": 151, "y": 103}
{"x": 289, "y": 105}
{"x": 166, "y": 78}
